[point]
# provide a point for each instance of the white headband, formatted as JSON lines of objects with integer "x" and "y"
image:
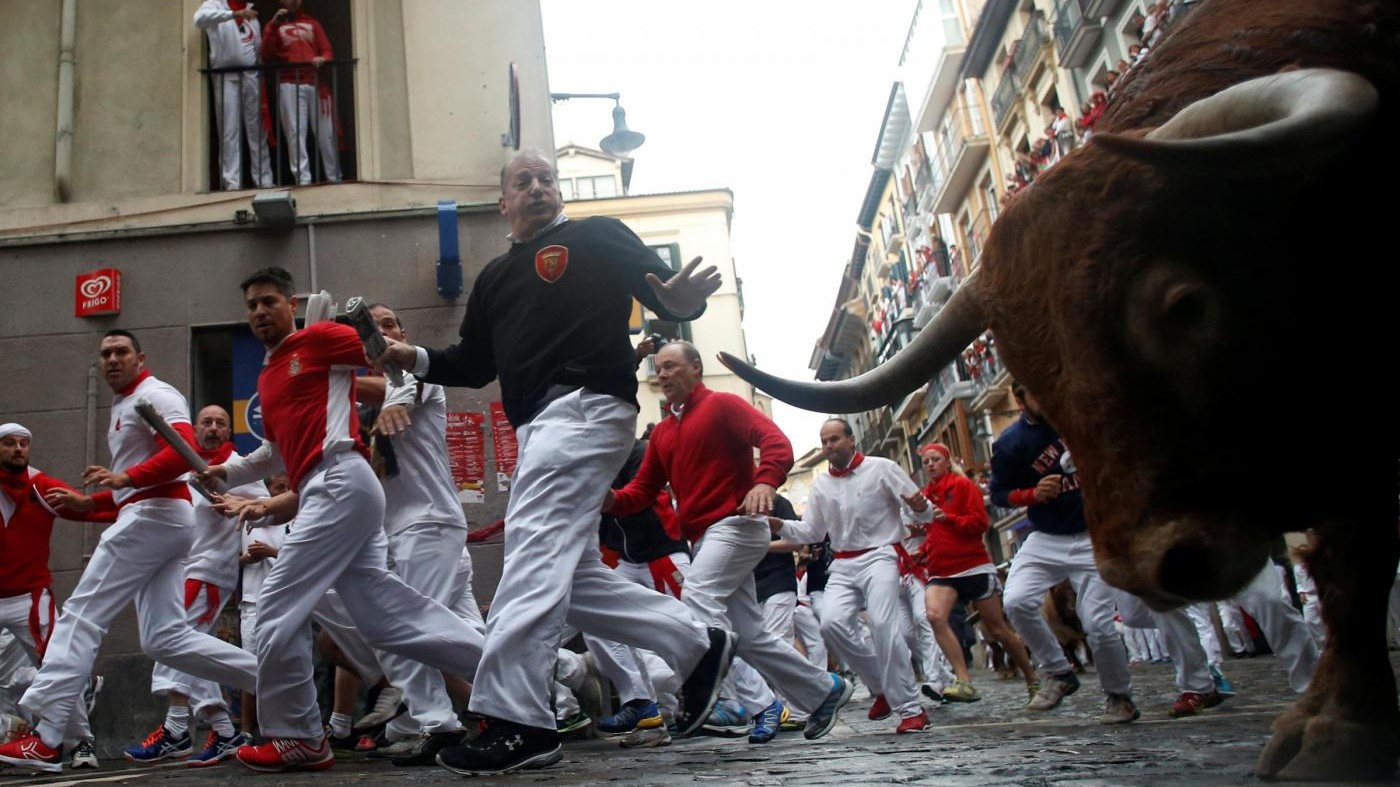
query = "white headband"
{"x": 13, "y": 428}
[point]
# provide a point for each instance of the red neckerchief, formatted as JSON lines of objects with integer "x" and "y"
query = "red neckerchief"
{"x": 127, "y": 391}
{"x": 16, "y": 485}
{"x": 845, "y": 471}
{"x": 216, "y": 457}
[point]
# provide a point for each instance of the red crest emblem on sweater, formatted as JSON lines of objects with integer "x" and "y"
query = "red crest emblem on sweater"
{"x": 551, "y": 262}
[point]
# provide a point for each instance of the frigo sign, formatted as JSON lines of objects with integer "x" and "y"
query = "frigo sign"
{"x": 97, "y": 293}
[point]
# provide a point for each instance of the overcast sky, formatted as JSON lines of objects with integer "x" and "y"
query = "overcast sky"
{"x": 780, "y": 102}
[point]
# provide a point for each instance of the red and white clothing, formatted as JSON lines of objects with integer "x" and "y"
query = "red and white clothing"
{"x": 304, "y": 103}
{"x": 140, "y": 558}
{"x": 253, "y": 576}
{"x": 862, "y": 511}
{"x": 237, "y": 95}
{"x": 954, "y": 545}
{"x": 337, "y": 538}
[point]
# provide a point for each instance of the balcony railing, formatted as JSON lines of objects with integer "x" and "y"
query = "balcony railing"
{"x": 1028, "y": 50}
{"x": 1005, "y": 97}
{"x": 303, "y": 130}
{"x": 976, "y": 236}
{"x": 1076, "y": 33}
{"x": 983, "y": 363}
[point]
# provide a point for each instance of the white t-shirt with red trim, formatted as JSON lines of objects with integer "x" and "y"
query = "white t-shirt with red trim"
{"x": 132, "y": 441}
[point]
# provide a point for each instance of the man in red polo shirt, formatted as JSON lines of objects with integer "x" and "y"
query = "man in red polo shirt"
{"x": 704, "y": 448}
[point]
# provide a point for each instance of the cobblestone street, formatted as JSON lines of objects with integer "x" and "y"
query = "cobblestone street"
{"x": 991, "y": 742}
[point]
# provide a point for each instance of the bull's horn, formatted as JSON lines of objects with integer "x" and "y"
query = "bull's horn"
{"x": 956, "y": 326}
{"x": 1290, "y": 119}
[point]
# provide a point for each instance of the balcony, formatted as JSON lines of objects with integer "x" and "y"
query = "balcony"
{"x": 1077, "y": 32}
{"x": 1098, "y": 9}
{"x": 984, "y": 366}
{"x": 329, "y": 101}
{"x": 943, "y": 389}
{"x": 1030, "y": 48}
{"x": 1004, "y": 100}
{"x": 975, "y": 238}
{"x": 962, "y": 150}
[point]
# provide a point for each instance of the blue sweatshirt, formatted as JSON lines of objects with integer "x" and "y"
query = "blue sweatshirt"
{"x": 1025, "y": 453}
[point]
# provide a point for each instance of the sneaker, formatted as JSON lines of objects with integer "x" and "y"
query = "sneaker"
{"x": 366, "y": 743}
{"x": 933, "y": 691}
{"x": 701, "y": 689}
{"x": 84, "y": 756}
{"x": 824, "y": 717}
{"x": 1054, "y": 689}
{"x": 427, "y": 747}
{"x": 161, "y": 745}
{"x": 30, "y": 752}
{"x": 912, "y": 723}
{"x": 880, "y": 710}
{"x": 727, "y": 720}
{"x": 1215, "y": 698}
{"x": 1188, "y": 704}
{"x": 766, "y": 723}
{"x": 386, "y": 706}
{"x": 961, "y": 691}
{"x": 575, "y": 722}
{"x": 789, "y": 722}
{"x": 287, "y": 754}
{"x": 503, "y": 747}
{"x": 633, "y": 715}
{"x": 1223, "y": 686}
{"x": 91, "y": 689}
{"x": 1119, "y": 709}
{"x": 646, "y": 738}
{"x": 217, "y": 749}
{"x": 385, "y": 749}
{"x": 1032, "y": 689}
{"x": 347, "y": 742}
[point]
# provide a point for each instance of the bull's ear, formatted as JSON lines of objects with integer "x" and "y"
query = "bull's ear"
{"x": 1289, "y": 121}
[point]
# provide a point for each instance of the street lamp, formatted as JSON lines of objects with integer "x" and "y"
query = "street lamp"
{"x": 623, "y": 140}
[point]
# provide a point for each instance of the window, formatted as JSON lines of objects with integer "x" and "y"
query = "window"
{"x": 566, "y": 188}
{"x": 670, "y": 254}
{"x": 596, "y": 187}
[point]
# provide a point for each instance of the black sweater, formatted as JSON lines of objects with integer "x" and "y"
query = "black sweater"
{"x": 554, "y": 312}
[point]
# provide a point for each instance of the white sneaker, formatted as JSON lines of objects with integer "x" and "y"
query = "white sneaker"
{"x": 386, "y": 707}
{"x": 84, "y": 756}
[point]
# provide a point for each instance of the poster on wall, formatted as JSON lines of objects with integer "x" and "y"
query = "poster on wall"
{"x": 503, "y": 440}
{"x": 466, "y": 453}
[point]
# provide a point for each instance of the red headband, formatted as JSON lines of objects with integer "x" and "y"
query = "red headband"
{"x": 939, "y": 447}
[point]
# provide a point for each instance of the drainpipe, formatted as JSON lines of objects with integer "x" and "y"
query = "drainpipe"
{"x": 311, "y": 254}
{"x": 90, "y": 451}
{"x": 63, "y": 150}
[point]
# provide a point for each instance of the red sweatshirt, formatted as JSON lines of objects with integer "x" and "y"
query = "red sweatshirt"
{"x": 296, "y": 39}
{"x": 954, "y": 544}
{"x": 24, "y": 537}
{"x": 707, "y": 455}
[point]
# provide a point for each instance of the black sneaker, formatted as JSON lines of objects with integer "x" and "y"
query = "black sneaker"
{"x": 701, "y": 689}
{"x": 426, "y": 751}
{"x": 346, "y": 743}
{"x": 503, "y": 747}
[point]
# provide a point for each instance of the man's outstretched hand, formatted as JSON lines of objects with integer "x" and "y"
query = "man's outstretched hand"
{"x": 684, "y": 293}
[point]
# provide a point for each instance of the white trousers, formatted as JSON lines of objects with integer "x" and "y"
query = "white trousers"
{"x": 630, "y": 670}
{"x": 720, "y": 590}
{"x": 238, "y": 112}
{"x": 337, "y": 540}
{"x": 425, "y": 556}
{"x": 1263, "y": 598}
{"x": 553, "y": 572}
{"x": 204, "y": 695}
{"x": 918, "y": 634}
{"x": 871, "y": 581}
{"x": 141, "y": 558}
{"x": 19, "y": 657}
{"x": 1205, "y": 629}
{"x": 1233, "y": 622}
{"x": 335, "y": 620}
{"x": 302, "y": 111}
{"x": 464, "y": 603}
{"x": 1044, "y": 561}
{"x": 806, "y": 626}
{"x": 1170, "y": 633}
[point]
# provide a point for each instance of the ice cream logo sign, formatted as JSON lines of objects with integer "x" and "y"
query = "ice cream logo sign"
{"x": 97, "y": 292}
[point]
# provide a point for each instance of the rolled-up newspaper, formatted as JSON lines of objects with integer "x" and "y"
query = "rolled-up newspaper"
{"x": 148, "y": 413}
{"x": 360, "y": 319}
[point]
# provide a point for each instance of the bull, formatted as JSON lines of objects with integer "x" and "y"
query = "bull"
{"x": 1188, "y": 298}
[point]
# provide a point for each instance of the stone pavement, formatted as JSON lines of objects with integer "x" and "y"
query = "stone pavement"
{"x": 991, "y": 742}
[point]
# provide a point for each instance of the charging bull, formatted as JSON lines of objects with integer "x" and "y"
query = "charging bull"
{"x": 1196, "y": 299}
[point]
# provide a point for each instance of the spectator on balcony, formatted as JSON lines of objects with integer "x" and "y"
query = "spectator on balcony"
{"x": 239, "y": 106}
{"x": 304, "y": 101}
{"x": 1063, "y": 129}
{"x": 1136, "y": 53}
{"x": 1025, "y": 170}
{"x": 1110, "y": 80}
{"x": 1153, "y": 23}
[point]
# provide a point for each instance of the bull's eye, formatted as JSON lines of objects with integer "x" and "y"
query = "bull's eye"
{"x": 1173, "y": 320}
{"x": 1186, "y": 307}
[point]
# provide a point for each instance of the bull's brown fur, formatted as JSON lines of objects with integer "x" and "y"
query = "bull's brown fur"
{"x": 1198, "y": 442}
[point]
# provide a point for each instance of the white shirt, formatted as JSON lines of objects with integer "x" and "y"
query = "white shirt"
{"x": 213, "y": 557}
{"x": 232, "y": 42}
{"x": 861, "y": 510}
{"x": 255, "y": 573}
{"x": 423, "y": 490}
{"x": 129, "y": 439}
